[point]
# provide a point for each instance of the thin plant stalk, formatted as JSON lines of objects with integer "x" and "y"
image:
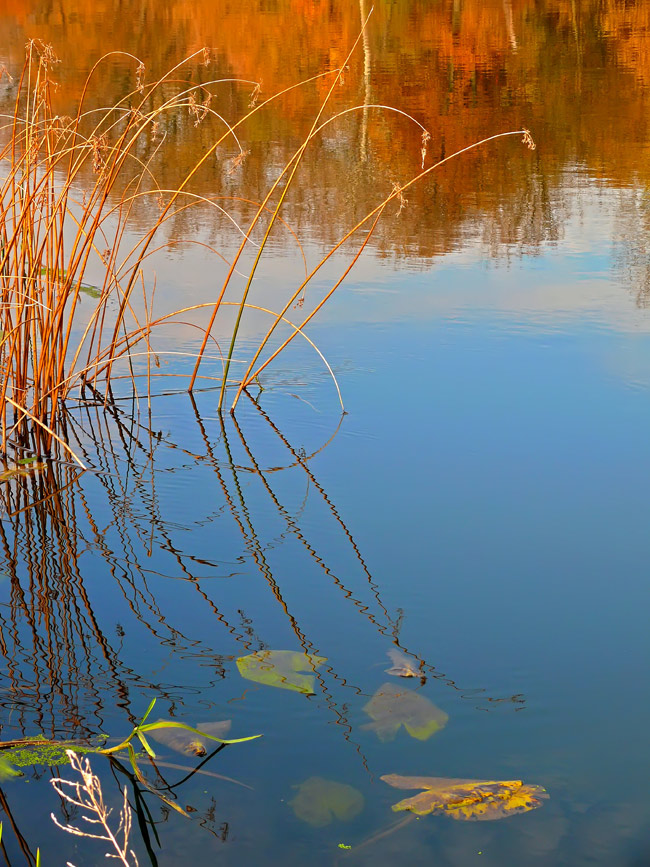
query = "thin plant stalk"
{"x": 294, "y": 168}
{"x": 41, "y": 272}
{"x": 250, "y": 375}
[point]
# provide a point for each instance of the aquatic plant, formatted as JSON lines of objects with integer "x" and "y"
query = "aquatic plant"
{"x": 402, "y": 666}
{"x": 281, "y": 668}
{"x": 319, "y": 801}
{"x": 69, "y": 190}
{"x": 40, "y": 750}
{"x": 392, "y": 707}
{"x": 87, "y": 796}
{"x": 143, "y": 728}
{"x": 470, "y": 800}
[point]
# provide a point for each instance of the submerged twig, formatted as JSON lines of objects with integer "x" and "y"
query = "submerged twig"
{"x": 386, "y": 832}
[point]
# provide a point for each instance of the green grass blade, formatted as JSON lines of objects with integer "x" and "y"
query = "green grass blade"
{"x": 163, "y": 724}
{"x": 149, "y": 709}
{"x": 145, "y": 744}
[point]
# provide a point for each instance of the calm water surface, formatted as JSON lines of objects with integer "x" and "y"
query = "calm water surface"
{"x": 483, "y": 504}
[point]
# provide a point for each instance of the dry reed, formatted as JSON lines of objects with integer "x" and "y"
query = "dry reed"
{"x": 68, "y": 189}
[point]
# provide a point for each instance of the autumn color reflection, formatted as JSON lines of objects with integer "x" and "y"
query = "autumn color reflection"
{"x": 575, "y": 74}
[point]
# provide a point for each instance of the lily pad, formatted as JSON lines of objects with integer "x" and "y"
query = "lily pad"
{"x": 319, "y": 801}
{"x": 468, "y": 800}
{"x": 281, "y": 668}
{"x": 190, "y": 743}
{"x": 392, "y": 707}
{"x": 402, "y": 666}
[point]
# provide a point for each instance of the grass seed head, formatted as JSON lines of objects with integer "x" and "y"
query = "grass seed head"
{"x": 528, "y": 140}
{"x": 139, "y": 77}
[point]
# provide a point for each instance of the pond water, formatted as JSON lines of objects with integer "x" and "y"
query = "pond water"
{"x": 482, "y": 505}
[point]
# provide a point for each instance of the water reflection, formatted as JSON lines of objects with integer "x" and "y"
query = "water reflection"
{"x": 575, "y": 74}
{"x": 89, "y": 621}
{"x": 195, "y": 540}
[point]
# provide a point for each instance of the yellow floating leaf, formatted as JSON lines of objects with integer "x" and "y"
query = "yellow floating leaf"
{"x": 469, "y": 800}
{"x": 281, "y": 668}
{"x": 392, "y": 707}
{"x": 318, "y": 801}
{"x": 528, "y": 797}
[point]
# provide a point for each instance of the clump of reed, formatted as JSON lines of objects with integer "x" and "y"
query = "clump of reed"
{"x": 69, "y": 187}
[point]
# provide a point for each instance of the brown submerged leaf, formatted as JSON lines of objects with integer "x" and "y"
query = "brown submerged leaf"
{"x": 392, "y": 707}
{"x": 469, "y": 800}
{"x": 402, "y": 666}
{"x": 318, "y": 801}
{"x": 189, "y": 743}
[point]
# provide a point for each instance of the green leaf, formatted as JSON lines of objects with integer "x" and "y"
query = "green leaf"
{"x": 189, "y": 743}
{"x": 86, "y": 288}
{"x": 90, "y": 290}
{"x": 319, "y": 801}
{"x": 281, "y": 668}
{"x": 148, "y": 711}
{"x": 7, "y": 770}
{"x": 145, "y": 744}
{"x": 163, "y": 724}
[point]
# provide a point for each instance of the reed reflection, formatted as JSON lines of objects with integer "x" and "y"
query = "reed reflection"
{"x": 54, "y": 521}
{"x": 82, "y": 550}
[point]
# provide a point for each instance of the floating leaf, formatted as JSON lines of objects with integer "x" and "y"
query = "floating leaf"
{"x": 402, "y": 666}
{"x": 281, "y": 668}
{"x": 189, "y": 743}
{"x": 392, "y": 706}
{"x": 22, "y": 468}
{"x": 318, "y": 801}
{"x": 470, "y": 800}
{"x": 87, "y": 288}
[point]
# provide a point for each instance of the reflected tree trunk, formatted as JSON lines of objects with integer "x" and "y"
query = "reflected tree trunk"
{"x": 510, "y": 25}
{"x": 363, "y": 144}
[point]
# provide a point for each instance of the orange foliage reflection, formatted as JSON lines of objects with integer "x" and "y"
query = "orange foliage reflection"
{"x": 575, "y": 74}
